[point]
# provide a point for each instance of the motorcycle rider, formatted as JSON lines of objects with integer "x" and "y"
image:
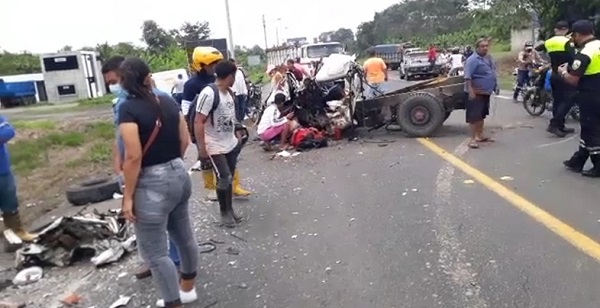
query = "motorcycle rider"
{"x": 561, "y": 50}
{"x": 584, "y": 72}
{"x": 204, "y": 60}
{"x": 527, "y": 57}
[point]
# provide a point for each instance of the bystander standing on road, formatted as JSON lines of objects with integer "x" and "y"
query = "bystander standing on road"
{"x": 240, "y": 90}
{"x": 561, "y": 50}
{"x": 480, "y": 83}
{"x": 376, "y": 74}
{"x": 216, "y": 136}
{"x": 432, "y": 54}
{"x": 157, "y": 184}
{"x": 177, "y": 89}
{"x": 584, "y": 73}
{"x": 113, "y": 80}
{"x": 9, "y": 203}
{"x": 204, "y": 60}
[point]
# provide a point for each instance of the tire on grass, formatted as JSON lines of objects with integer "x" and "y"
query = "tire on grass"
{"x": 421, "y": 114}
{"x": 93, "y": 191}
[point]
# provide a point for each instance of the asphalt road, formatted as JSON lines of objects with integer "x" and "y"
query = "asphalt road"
{"x": 393, "y": 222}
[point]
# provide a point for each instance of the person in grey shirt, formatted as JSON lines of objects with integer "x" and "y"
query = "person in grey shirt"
{"x": 480, "y": 83}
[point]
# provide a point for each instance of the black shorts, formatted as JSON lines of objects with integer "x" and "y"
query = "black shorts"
{"x": 478, "y": 108}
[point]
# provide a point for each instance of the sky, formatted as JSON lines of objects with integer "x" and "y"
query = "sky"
{"x": 79, "y": 23}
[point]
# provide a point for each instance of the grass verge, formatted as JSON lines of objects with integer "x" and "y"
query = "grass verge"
{"x": 45, "y": 137}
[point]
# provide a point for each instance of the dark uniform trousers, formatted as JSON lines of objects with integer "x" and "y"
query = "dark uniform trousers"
{"x": 563, "y": 100}
{"x": 589, "y": 143}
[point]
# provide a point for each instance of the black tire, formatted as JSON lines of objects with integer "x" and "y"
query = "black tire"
{"x": 408, "y": 78}
{"x": 92, "y": 191}
{"x": 432, "y": 114}
{"x": 532, "y": 107}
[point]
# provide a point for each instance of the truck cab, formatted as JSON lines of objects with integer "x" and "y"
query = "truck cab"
{"x": 311, "y": 53}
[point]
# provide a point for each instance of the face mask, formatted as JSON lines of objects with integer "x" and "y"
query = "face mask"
{"x": 117, "y": 90}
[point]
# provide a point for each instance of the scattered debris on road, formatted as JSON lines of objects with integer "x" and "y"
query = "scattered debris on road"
{"x": 28, "y": 275}
{"x": 104, "y": 238}
{"x": 506, "y": 178}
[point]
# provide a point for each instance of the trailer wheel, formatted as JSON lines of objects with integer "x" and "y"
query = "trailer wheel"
{"x": 420, "y": 115}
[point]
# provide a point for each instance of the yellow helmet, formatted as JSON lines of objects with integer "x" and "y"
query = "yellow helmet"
{"x": 205, "y": 56}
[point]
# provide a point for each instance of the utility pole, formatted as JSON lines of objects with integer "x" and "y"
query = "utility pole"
{"x": 231, "y": 45}
{"x": 277, "y": 31}
{"x": 265, "y": 31}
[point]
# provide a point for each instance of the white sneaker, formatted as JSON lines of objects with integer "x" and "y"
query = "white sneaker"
{"x": 196, "y": 166}
{"x": 186, "y": 298}
{"x": 212, "y": 195}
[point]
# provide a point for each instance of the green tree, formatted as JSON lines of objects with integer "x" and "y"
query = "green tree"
{"x": 19, "y": 63}
{"x": 156, "y": 38}
{"x": 192, "y": 32}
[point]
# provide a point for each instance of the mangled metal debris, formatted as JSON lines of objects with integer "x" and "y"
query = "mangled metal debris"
{"x": 101, "y": 238}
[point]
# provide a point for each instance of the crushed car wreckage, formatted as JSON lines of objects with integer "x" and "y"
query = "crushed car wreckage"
{"x": 101, "y": 238}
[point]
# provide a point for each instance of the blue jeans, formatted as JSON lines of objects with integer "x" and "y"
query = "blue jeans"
{"x": 161, "y": 203}
{"x": 522, "y": 80}
{"x": 173, "y": 253}
{"x": 241, "y": 102}
{"x": 8, "y": 194}
{"x": 374, "y": 90}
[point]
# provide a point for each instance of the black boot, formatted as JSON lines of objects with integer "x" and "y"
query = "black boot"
{"x": 236, "y": 217}
{"x": 577, "y": 161}
{"x": 594, "y": 172}
{"x": 227, "y": 219}
{"x": 556, "y": 131}
{"x": 567, "y": 130}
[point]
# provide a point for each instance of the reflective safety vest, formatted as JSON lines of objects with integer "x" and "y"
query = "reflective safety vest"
{"x": 556, "y": 43}
{"x": 592, "y": 50}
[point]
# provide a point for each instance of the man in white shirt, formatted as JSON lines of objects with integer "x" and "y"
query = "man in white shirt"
{"x": 240, "y": 90}
{"x": 177, "y": 90}
{"x": 272, "y": 125}
{"x": 216, "y": 136}
{"x": 456, "y": 62}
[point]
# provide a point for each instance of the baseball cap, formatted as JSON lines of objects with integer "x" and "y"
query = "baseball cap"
{"x": 583, "y": 26}
{"x": 562, "y": 25}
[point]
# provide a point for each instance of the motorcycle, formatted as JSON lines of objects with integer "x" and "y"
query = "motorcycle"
{"x": 533, "y": 74}
{"x": 255, "y": 104}
{"x": 538, "y": 97}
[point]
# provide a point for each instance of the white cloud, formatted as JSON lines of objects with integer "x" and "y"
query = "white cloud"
{"x": 50, "y": 25}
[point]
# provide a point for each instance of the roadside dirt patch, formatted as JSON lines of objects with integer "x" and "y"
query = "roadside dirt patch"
{"x": 49, "y": 156}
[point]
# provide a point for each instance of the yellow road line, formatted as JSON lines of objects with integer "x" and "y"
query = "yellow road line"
{"x": 576, "y": 238}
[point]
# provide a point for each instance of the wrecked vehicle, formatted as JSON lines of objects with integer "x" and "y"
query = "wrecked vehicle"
{"x": 319, "y": 102}
{"x": 419, "y": 109}
{"x": 100, "y": 238}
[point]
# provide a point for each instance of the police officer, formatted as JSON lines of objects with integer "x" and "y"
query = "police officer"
{"x": 561, "y": 50}
{"x": 584, "y": 73}
{"x": 203, "y": 64}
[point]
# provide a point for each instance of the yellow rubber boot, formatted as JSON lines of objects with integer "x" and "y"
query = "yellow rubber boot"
{"x": 13, "y": 222}
{"x": 210, "y": 184}
{"x": 238, "y": 191}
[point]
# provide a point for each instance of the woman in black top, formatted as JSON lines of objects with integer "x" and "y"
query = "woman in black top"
{"x": 157, "y": 185}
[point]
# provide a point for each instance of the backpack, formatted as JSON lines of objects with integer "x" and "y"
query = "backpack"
{"x": 307, "y": 138}
{"x": 191, "y": 117}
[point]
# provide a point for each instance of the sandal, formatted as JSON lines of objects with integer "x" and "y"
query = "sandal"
{"x": 486, "y": 139}
{"x": 473, "y": 145}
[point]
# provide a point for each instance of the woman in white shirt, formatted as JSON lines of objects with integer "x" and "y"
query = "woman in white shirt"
{"x": 273, "y": 125}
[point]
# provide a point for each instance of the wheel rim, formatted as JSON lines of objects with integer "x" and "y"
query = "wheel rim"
{"x": 419, "y": 115}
